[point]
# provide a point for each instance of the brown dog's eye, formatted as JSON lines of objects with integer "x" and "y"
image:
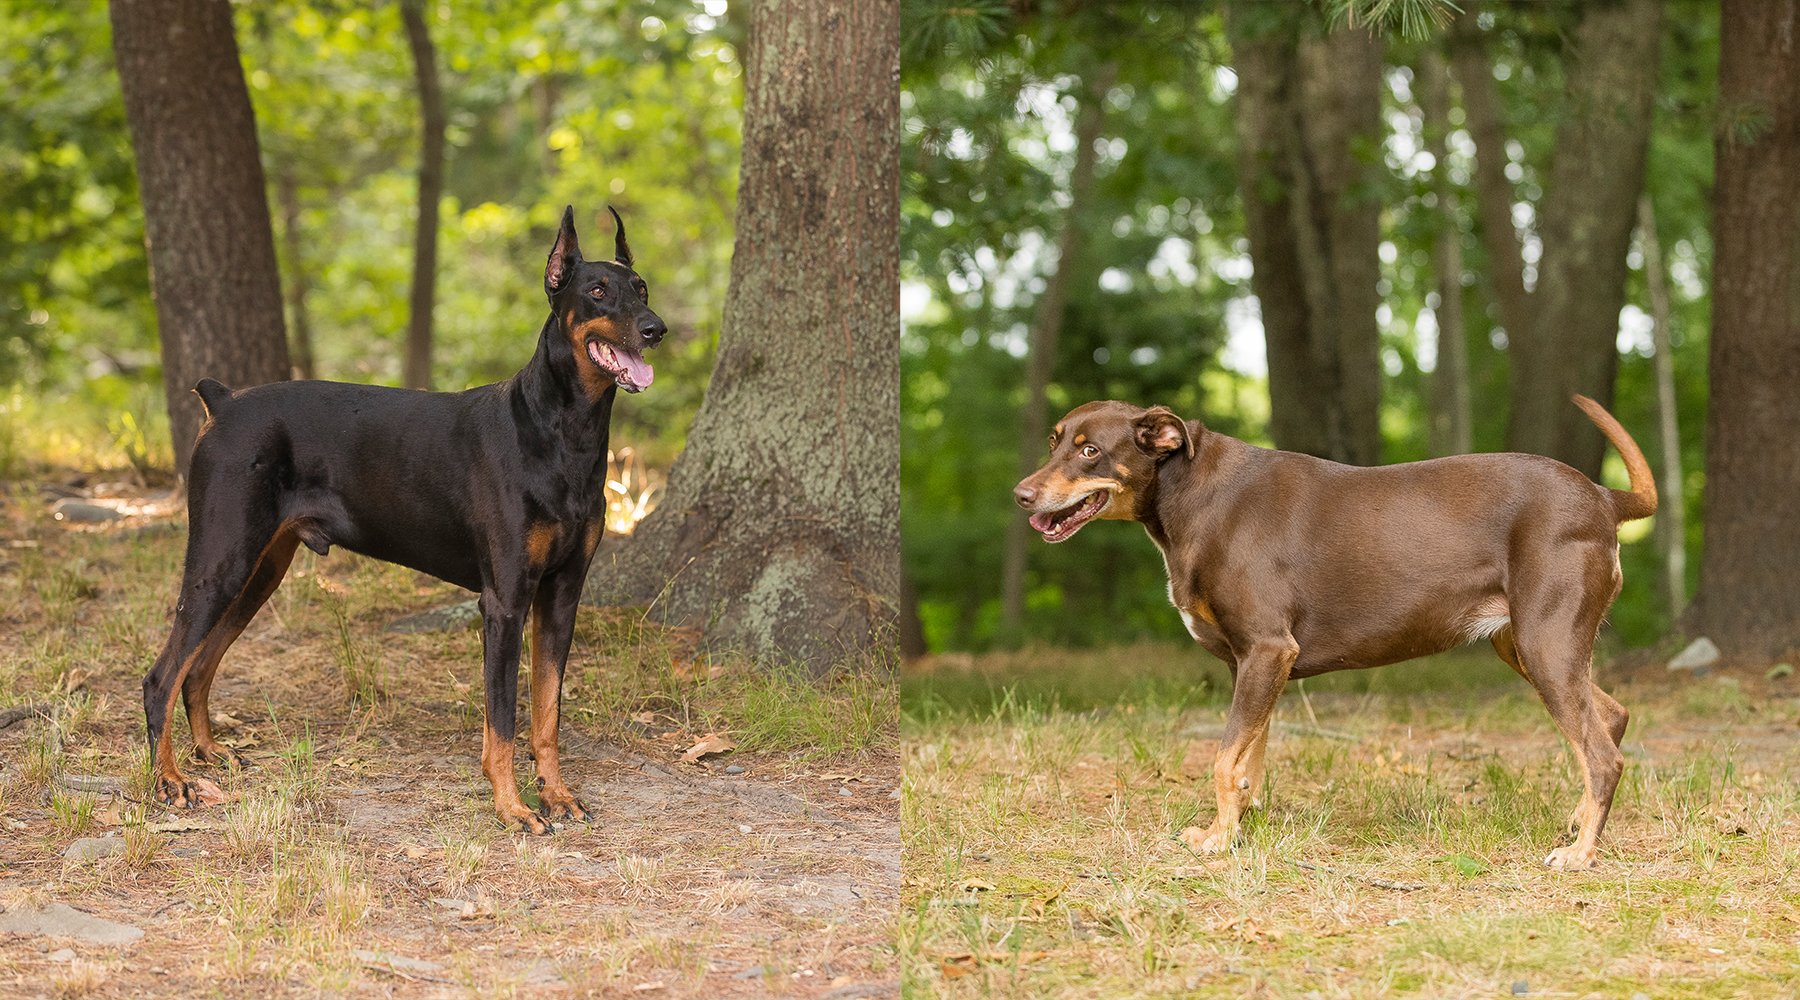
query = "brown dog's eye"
{"x": 1090, "y": 452}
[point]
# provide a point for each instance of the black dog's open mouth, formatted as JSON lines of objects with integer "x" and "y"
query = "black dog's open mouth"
{"x": 1061, "y": 525}
{"x": 627, "y": 367}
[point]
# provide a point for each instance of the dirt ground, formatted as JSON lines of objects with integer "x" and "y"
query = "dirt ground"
{"x": 358, "y": 855}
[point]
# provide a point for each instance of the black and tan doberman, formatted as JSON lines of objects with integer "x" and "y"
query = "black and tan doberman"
{"x": 1285, "y": 565}
{"x": 497, "y": 489}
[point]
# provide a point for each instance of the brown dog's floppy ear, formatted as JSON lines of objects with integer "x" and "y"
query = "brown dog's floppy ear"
{"x": 621, "y": 249}
{"x": 1160, "y": 432}
{"x": 564, "y": 255}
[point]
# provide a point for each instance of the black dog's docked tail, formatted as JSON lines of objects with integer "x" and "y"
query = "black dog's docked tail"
{"x": 213, "y": 394}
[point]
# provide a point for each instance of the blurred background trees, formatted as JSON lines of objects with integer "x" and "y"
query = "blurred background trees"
{"x": 1373, "y": 242}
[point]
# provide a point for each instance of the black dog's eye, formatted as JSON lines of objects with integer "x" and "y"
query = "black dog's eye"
{"x": 599, "y": 292}
{"x": 1090, "y": 452}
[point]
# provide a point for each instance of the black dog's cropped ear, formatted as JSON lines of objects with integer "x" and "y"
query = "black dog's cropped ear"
{"x": 1160, "y": 432}
{"x": 564, "y": 255}
{"x": 621, "y": 249}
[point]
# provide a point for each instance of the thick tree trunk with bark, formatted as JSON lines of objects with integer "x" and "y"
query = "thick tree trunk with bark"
{"x": 1309, "y": 132}
{"x": 206, "y": 214}
{"x": 1452, "y": 431}
{"x": 1494, "y": 193}
{"x": 298, "y": 283}
{"x": 780, "y": 530}
{"x": 1748, "y": 601}
{"x": 1046, "y": 329}
{"x": 1671, "y": 519}
{"x": 1585, "y": 221}
{"x": 417, "y": 368}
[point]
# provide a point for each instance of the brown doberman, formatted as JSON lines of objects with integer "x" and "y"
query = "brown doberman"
{"x": 1285, "y": 565}
{"x": 498, "y": 489}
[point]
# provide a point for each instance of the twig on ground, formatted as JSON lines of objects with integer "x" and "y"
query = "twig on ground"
{"x": 18, "y": 713}
{"x": 1379, "y": 883}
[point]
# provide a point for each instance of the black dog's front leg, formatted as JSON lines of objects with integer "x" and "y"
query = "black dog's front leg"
{"x": 552, "y": 628}
{"x": 502, "y": 623}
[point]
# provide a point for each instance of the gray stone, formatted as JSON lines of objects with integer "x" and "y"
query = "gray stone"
{"x": 1699, "y": 654}
{"x": 96, "y": 784}
{"x": 60, "y": 920}
{"x": 735, "y": 769}
{"x": 62, "y": 955}
{"x": 844, "y": 790}
{"x": 94, "y": 848}
{"x": 72, "y": 511}
{"x": 444, "y": 619}
{"x": 399, "y": 963}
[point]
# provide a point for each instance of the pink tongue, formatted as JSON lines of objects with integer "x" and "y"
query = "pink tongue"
{"x": 637, "y": 370}
{"x": 1040, "y": 522}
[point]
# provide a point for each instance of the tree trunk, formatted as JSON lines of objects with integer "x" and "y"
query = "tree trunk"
{"x": 780, "y": 530}
{"x": 417, "y": 369}
{"x": 1452, "y": 431}
{"x": 298, "y": 282}
{"x": 1309, "y": 123}
{"x": 1748, "y": 602}
{"x": 206, "y": 213}
{"x": 1588, "y": 212}
{"x": 912, "y": 629}
{"x": 1046, "y": 328}
{"x": 1494, "y": 194}
{"x": 1671, "y": 528}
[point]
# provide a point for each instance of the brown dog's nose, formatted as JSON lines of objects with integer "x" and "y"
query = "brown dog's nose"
{"x": 1024, "y": 495}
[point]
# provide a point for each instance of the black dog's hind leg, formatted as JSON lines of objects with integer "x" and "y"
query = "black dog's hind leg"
{"x": 234, "y": 541}
{"x": 271, "y": 566}
{"x": 552, "y": 629}
{"x": 502, "y": 634}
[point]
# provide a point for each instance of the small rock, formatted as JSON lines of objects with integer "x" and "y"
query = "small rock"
{"x": 753, "y": 972}
{"x": 744, "y": 828}
{"x": 94, "y": 848}
{"x": 72, "y": 511}
{"x": 1699, "y": 654}
{"x": 895, "y": 795}
{"x": 60, "y": 920}
{"x": 844, "y": 791}
{"x": 1520, "y": 987}
{"x": 62, "y": 955}
{"x": 445, "y": 619}
{"x": 97, "y": 784}
{"x": 187, "y": 852}
{"x": 735, "y": 769}
{"x": 398, "y": 963}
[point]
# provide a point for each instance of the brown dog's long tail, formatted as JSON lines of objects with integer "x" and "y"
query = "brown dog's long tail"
{"x": 1640, "y": 500}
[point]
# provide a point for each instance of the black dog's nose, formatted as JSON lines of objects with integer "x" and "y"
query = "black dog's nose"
{"x": 1024, "y": 495}
{"x": 652, "y": 328}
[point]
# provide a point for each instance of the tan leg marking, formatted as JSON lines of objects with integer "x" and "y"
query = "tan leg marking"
{"x": 497, "y": 764}
{"x": 546, "y": 691}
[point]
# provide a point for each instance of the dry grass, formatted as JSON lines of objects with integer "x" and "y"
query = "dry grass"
{"x": 1398, "y": 853}
{"x": 364, "y": 824}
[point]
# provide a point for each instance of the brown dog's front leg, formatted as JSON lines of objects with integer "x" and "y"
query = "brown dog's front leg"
{"x": 1262, "y": 673}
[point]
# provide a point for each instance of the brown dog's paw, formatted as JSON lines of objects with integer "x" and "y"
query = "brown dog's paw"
{"x": 1215, "y": 839}
{"x": 1573, "y": 858}
{"x": 188, "y": 793}
{"x": 528, "y": 821}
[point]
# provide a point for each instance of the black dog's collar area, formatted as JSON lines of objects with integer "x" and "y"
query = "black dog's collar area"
{"x": 628, "y": 368}
{"x": 1061, "y": 525}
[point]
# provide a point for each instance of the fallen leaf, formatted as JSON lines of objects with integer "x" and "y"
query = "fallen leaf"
{"x": 958, "y": 965}
{"x": 971, "y": 885}
{"x": 75, "y": 680}
{"x": 644, "y": 718}
{"x": 711, "y": 743}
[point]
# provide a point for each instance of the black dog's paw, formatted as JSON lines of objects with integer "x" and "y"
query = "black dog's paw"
{"x": 188, "y": 793}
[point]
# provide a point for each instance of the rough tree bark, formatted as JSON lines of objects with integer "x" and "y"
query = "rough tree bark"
{"x": 1585, "y": 222}
{"x": 417, "y": 368}
{"x": 1494, "y": 193}
{"x": 1748, "y": 602}
{"x": 298, "y": 284}
{"x": 779, "y": 533}
{"x": 1671, "y": 521}
{"x": 1046, "y": 329}
{"x": 1309, "y": 131}
{"x": 1452, "y": 430}
{"x": 206, "y": 214}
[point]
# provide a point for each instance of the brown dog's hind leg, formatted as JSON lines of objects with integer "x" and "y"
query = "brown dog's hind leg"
{"x": 552, "y": 628}
{"x": 1237, "y": 771}
{"x": 271, "y": 566}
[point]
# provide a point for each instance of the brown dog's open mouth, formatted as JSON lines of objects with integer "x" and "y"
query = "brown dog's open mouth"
{"x": 627, "y": 367}
{"x": 1061, "y": 525}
